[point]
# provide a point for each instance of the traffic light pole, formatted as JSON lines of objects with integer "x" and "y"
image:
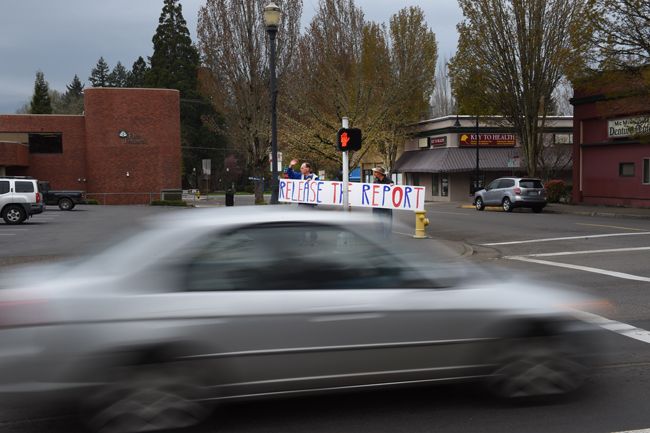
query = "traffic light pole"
{"x": 346, "y": 173}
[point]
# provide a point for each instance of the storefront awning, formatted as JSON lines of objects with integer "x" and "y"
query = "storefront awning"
{"x": 456, "y": 159}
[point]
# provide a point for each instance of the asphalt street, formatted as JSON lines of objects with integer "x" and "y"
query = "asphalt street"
{"x": 602, "y": 256}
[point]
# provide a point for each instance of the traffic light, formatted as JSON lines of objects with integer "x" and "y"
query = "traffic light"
{"x": 348, "y": 139}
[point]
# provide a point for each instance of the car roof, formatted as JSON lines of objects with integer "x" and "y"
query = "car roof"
{"x": 245, "y": 215}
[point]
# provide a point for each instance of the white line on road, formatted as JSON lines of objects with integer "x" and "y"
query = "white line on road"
{"x": 570, "y": 253}
{"x": 7, "y": 234}
{"x": 614, "y": 326}
{"x": 612, "y": 227}
{"x": 564, "y": 239}
{"x": 645, "y": 430}
{"x": 582, "y": 268}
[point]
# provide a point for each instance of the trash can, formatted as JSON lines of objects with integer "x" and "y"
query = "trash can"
{"x": 230, "y": 197}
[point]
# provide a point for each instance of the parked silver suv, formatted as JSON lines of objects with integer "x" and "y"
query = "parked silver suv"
{"x": 512, "y": 192}
{"x": 19, "y": 199}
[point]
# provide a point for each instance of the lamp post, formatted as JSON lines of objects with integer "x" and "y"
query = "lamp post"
{"x": 476, "y": 184}
{"x": 272, "y": 15}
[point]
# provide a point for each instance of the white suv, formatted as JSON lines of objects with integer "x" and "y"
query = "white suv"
{"x": 19, "y": 199}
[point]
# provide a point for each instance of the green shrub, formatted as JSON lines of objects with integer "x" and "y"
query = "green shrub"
{"x": 555, "y": 190}
{"x": 92, "y": 201}
{"x": 180, "y": 203}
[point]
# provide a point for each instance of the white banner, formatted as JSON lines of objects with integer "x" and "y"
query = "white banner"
{"x": 361, "y": 194}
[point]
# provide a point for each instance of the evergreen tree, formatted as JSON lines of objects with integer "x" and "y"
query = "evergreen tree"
{"x": 175, "y": 65}
{"x": 99, "y": 74}
{"x": 73, "y": 99}
{"x": 41, "y": 103}
{"x": 136, "y": 77}
{"x": 175, "y": 60}
{"x": 74, "y": 89}
{"x": 117, "y": 77}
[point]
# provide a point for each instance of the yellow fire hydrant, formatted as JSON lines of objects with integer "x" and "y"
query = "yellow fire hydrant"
{"x": 197, "y": 194}
{"x": 421, "y": 221}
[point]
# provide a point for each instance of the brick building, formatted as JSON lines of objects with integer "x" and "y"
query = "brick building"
{"x": 611, "y": 153}
{"x": 124, "y": 149}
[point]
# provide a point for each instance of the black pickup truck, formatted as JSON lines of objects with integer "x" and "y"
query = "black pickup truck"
{"x": 66, "y": 200}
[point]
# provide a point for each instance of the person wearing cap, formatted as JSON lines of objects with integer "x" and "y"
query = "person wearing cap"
{"x": 385, "y": 216}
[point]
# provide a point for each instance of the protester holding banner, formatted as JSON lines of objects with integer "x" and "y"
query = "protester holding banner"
{"x": 304, "y": 174}
{"x": 385, "y": 216}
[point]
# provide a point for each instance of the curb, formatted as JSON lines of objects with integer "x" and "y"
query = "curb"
{"x": 487, "y": 208}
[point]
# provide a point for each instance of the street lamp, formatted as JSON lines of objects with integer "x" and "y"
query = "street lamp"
{"x": 476, "y": 185}
{"x": 272, "y": 15}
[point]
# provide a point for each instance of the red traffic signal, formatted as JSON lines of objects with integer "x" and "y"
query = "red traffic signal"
{"x": 348, "y": 139}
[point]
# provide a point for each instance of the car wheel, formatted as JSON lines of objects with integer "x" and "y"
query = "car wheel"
{"x": 14, "y": 214}
{"x": 150, "y": 397}
{"x": 507, "y": 204}
{"x": 66, "y": 204}
{"x": 479, "y": 203}
{"x": 537, "y": 209}
{"x": 535, "y": 367}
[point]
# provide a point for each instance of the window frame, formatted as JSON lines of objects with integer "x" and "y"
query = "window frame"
{"x": 621, "y": 166}
{"x": 21, "y": 183}
{"x": 190, "y": 266}
{"x": 44, "y": 148}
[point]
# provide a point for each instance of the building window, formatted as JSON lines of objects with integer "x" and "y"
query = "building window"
{"x": 646, "y": 171}
{"x": 415, "y": 179}
{"x": 435, "y": 184}
{"x": 626, "y": 169}
{"x": 46, "y": 143}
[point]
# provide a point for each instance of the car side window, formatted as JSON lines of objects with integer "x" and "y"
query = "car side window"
{"x": 4, "y": 187}
{"x": 292, "y": 257}
{"x": 506, "y": 183}
{"x": 493, "y": 185}
{"x": 22, "y": 186}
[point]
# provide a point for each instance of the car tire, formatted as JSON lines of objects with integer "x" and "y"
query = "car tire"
{"x": 506, "y": 204}
{"x": 66, "y": 204}
{"x": 478, "y": 203}
{"x": 14, "y": 214}
{"x": 536, "y": 367}
{"x": 151, "y": 397}
{"x": 537, "y": 209}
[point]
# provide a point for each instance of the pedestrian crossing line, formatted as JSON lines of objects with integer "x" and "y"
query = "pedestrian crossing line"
{"x": 645, "y": 430}
{"x": 618, "y": 327}
{"x": 622, "y": 275}
{"x": 570, "y": 253}
{"x": 568, "y": 238}
{"x": 611, "y": 227}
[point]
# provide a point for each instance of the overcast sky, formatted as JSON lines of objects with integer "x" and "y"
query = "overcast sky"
{"x": 66, "y": 37}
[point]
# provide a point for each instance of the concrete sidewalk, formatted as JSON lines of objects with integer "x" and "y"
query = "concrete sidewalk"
{"x": 581, "y": 209}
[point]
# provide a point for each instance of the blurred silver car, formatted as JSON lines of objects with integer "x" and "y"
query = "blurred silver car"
{"x": 512, "y": 192}
{"x": 219, "y": 304}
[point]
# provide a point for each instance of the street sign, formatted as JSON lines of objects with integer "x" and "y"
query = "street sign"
{"x": 207, "y": 166}
{"x": 279, "y": 161}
